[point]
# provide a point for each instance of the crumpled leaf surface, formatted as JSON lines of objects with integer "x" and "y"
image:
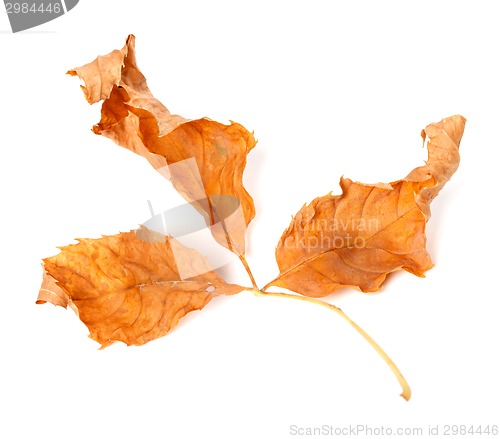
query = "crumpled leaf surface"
{"x": 356, "y": 239}
{"x": 133, "y": 118}
{"x": 444, "y": 157}
{"x": 128, "y": 288}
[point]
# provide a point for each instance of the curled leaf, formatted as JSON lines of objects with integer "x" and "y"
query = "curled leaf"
{"x": 209, "y": 157}
{"x": 356, "y": 239}
{"x": 129, "y": 288}
{"x": 443, "y": 144}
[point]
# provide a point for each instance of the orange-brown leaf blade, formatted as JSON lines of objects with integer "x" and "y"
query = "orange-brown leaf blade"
{"x": 353, "y": 240}
{"x": 128, "y": 289}
{"x": 214, "y": 154}
{"x": 356, "y": 239}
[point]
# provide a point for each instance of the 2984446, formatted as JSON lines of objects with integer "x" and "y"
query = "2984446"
{"x": 33, "y": 8}
{"x": 470, "y": 430}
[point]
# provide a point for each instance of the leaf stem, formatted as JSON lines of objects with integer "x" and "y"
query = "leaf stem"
{"x": 247, "y": 268}
{"x": 406, "y": 394}
{"x": 230, "y": 244}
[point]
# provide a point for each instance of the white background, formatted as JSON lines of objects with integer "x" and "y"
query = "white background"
{"x": 330, "y": 89}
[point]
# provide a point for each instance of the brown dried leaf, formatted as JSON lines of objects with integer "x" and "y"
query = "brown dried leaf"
{"x": 128, "y": 288}
{"x": 356, "y": 239}
{"x": 133, "y": 118}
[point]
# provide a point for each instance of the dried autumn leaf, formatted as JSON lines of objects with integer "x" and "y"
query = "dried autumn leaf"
{"x": 210, "y": 157}
{"x": 128, "y": 288}
{"x": 134, "y": 287}
{"x": 356, "y": 239}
